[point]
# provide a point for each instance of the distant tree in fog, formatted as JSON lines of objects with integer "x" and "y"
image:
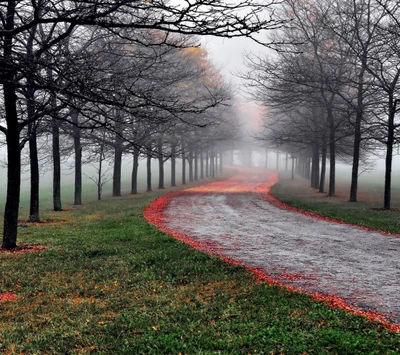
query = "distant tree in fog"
{"x": 339, "y": 57}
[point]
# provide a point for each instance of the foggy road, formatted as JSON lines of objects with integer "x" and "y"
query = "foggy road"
{"x": 311, "y": 255}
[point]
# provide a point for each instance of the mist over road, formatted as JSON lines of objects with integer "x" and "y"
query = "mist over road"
{"x": 311, "y": 255}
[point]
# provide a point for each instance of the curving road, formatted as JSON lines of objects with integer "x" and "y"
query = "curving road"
{"x": 308, "y": 254}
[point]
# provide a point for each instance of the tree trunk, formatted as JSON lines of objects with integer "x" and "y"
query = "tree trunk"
{"x": 32, "y": 137}
{"x": 389, "y": 154}
{"x": 34, "y": 164}
{"x": 315, "y": 167}
{"x": 323, "y": 166}
{"x": 12, "y": 137}
{"x": 183, "y": 163}
{"x": 78, "y": 158}
{"x": 266, "y": 158}
{"x": 173, "y": 165}
{"x": 149, "y": 153}
{"x": 160, "y": 166}
{"x": 56, "y": 164}
{"x": 100, "y": 172}
{"x": 190, "y": 160}
{"x": 356, "y": 160}
{"x": 357, "y": 137}
{"x": 117, "y": 173}
{"x": 332, "y": 152}
{"x": 33, "y": 156}
{"x": 135, "y": 168}
{"x": 13, "y": 168}
{"x": 221, "y": 161}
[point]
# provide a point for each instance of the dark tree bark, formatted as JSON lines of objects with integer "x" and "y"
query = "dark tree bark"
{"x": 13, "y": 169}
{"x": 332, "y": 152}
{"x": 78, "y": 158}
{"x": 117, "y": 173}
{"x": 190, "y": 161}
{"x": 389, "y": 153}
{"x": 183, "y": 163}
{"x": 12, "y": 136}
{"x": 32, "y": 138}
{"x": 173, "y": 165}
{"x": 34, "y": 165}
{"x": 149, "y": 154}
{"x": 315, "y": 167}
{"x": 135, "y": 168}
{"x": 56, "y": 165}
{"x": 324, "y": 154}
{"x": 160, "y": 165}
{"x": 55, "y": 136}
{"x": 357, "y": 137}
{"x": 100, "y": 172}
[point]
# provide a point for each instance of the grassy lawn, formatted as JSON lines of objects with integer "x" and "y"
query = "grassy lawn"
{"x": 366, "y": 212}
{"x": 109, "y": 283}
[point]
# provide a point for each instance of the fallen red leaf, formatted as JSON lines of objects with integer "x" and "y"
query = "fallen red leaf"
{"x": 24, "y": 248}
{"x": 7, "y": 296}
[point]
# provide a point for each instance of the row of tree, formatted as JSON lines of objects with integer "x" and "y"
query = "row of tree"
{"x": 332, "y": 88}
{"x": 112, "y": 77}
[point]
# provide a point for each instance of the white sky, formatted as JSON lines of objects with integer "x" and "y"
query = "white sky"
{"x": 227, "y": 55}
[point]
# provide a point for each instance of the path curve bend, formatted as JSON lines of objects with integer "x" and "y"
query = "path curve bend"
{"x": 236, "y": 219}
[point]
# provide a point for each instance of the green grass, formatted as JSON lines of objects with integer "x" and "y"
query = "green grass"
{"x": 366, "y": 212}
{"x": 109, "y": 283}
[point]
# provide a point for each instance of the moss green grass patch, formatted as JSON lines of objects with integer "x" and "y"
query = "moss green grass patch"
{"x": 366, "y": 212}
